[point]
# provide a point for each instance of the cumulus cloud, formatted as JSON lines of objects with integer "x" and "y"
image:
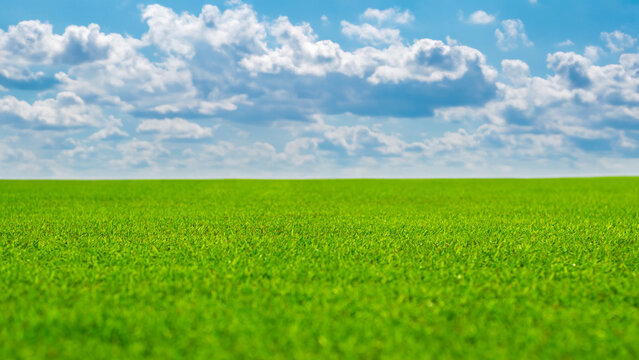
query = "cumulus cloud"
{"x": 217, "y": 63}
{"x": 593, "y": 53}
{"x": 133, "y": 83}
{"x": 572, "y": 68}
{"x": 480, "y": 17}
{"x": 617, "y": 41}
{"x": 400, "y": 79}
{"x": 237, "y": 27}
{"x": 30, "y": 42}
{"x": 33, "y": 42}
{"x": 392, "y": 15}
{"x": 512, "y": 35}
{"x": 516, "y": 72}
{"x": 66, "y": 110}
{"x": 299, "y": 51}
{"x": 353, "y": 140}
{"x": 22, "y": 79}
{"x": 582, "y": 109}
{"x": 303, "y": 102}
{"x": 230, "y": 64}
{"x": 425, "y": 60}
{"x": 371, "y": 34}
{"x": 196, "y": 71}
{"x": 109, "y": 133}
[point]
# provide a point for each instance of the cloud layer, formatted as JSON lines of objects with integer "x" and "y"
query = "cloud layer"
{"x": 227, "y": 92}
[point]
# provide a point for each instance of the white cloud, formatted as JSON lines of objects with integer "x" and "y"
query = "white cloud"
{"x": 133, "y": 83}
{"x": 237, "y": 27}
{"x": 565, "y": 43}
{"x": 235, "y": 68}
{"x": 175, "y": 128}
{"x": 9, "y": 153}
{"x": 580, "y": 111}
{"x": 22, "y": 78}
{"x": 30, "y": 41}
{"x": 593, "y": 53}
{"x": 617, "y": 41}
{"x": 79, "y": 151}
{"x": 299, "y": 51}
{"x": 194, "y": 70}
{"x": 582, "y": 94}
{"x": 451, "y": 141}
{"x": 516, "y": 72}
{"x": 574, "y": 69}
{"x": 371, "y": 34}
{"x": 138, "y": 154}
{"x": 480, "y": 17}
{"x": 425, "y": 60}
{"x": 356, "y": 139}
{"x": 230, "y": 154}
{"x": 64, "y": 111}
{"x": 300, "y": 151}
{"x": 177, "y": 82}
{"x": 512, "y": 35}
{"x": 109, "y": 133}
{"x": 33, "y": 42}
{"x": 296, "y": 152}
{"x": 393, "y": 15}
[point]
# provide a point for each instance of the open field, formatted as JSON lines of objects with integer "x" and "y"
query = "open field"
{"x": 364, "y": 269}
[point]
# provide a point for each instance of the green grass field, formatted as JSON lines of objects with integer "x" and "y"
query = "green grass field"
{"x": 347, "y": 269}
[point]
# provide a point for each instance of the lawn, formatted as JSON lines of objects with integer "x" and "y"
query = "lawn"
{"x": 344, "y": 269}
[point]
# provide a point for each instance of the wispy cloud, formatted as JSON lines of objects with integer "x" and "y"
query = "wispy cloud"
{"x": 512, "y": 35}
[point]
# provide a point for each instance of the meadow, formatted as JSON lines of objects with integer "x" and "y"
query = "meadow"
{"x": 326, "y": 269}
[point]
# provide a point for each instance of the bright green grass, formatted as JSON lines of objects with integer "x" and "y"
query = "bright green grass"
{"x": 494, "y": 269}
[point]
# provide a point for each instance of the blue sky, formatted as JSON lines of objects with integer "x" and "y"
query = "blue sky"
{"x": 191, "y": 89}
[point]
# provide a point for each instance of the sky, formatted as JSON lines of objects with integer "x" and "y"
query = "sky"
{"x": 318, "y": 89}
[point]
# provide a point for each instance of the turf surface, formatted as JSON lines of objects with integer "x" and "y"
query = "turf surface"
{"x": 365, "y": 269}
